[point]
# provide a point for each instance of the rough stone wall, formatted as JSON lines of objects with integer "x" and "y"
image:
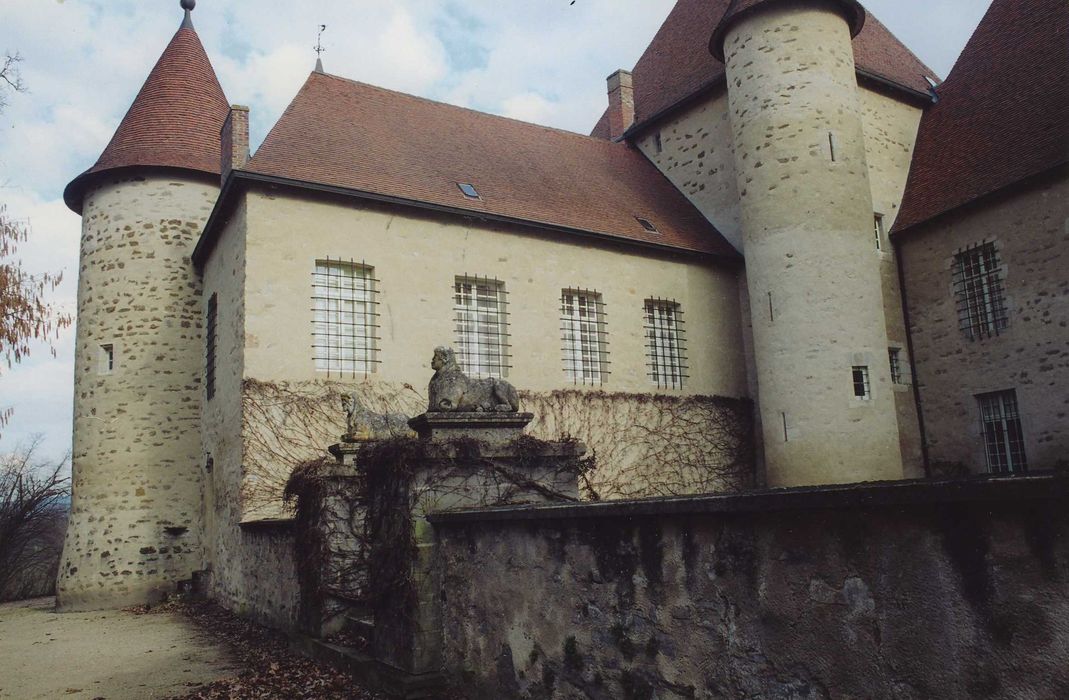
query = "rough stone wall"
{"x": 135, "y": 525}
{"x": 697, "y": 155}
{"x": 814, "y": 283}
{"x": 710, "y": 598}
{"x": 1030, "y": 230}
{"x": 890, "y": 127}
{"x": 252, "y": 568}
{"x": 695, "y": 150}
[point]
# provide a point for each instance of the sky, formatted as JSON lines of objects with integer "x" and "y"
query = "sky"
{"x": 84, "y": 61}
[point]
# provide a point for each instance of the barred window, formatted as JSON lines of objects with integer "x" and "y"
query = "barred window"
{"x": 481, "y": 326}
{"x": 862, "y": 387}
{"x": 665, "y": 353}
{"x": 209, "y": 345}
{"x": 878, "y": 229}
{"x": 894, "y": 356}
{"x": 1003, "y": 438}
{"x": 583, "y": 341}
{"x": 345, "y": 321}
{"x": 981, "y": 298}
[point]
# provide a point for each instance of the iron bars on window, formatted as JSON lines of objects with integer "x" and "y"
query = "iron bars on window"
{"x": 665, "y": 350}
{"x": 981, "y": 298}
{"x": 345, "y": 322}
{"x": 1003, "y": 437}
{"x": 480, "y": 307}
{"x": 584, "y": 343}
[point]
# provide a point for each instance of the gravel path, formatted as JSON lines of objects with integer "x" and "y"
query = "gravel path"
{"x": 108, "y": 654}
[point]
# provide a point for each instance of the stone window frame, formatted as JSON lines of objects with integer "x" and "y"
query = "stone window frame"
{"x": 211, "y": 322}
{"x": 345, "y": 341}
{"x": 106, "y": 358}
{"x": 861, "y": 379}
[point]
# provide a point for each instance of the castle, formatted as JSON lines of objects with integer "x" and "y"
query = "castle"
{"x": 875, "y": 260}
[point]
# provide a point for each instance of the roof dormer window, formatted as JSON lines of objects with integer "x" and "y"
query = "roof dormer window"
{"x": 469, "y": 190}
{"x": 647, "y": 224}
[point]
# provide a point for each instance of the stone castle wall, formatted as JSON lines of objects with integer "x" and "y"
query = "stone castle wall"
{"x": 928, "y": 591}
{"x": 136, "y": 522}
{"x": 807, "y": 219}
{"x": 1030, "y": 229}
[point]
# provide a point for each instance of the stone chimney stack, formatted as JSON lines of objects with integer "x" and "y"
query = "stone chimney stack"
{"x": 234, "y": 140}
{"x": 621, "y": 103}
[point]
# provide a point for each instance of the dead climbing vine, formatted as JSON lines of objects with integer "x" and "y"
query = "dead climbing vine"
{"x": 653, "y": 444}
{"x": 355, "y": 528}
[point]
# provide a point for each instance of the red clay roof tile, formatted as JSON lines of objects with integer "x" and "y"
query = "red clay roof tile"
{"x": 677, "y": 63}
{"x": 358, "y": 137}
{"x": 1002, "y": 115}
{"x": 174, "y": 121}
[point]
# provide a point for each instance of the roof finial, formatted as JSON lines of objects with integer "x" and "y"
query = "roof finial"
{"x": 187, "y": 5}
{"x": 319, "y": 48}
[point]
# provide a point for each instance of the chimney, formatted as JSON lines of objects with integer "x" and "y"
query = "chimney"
{"x": 621, "y": 103}
{"x": 234, "y": 141}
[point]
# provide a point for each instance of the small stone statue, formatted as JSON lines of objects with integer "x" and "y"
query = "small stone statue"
{"x": 353, "y": 431}
{"x": 451, "y": 390}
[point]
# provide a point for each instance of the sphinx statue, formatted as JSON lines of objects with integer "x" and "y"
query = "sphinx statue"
{"x": 451, "y": 390}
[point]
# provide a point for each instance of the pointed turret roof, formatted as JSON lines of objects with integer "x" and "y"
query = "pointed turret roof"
{"x": 174, "y": 122}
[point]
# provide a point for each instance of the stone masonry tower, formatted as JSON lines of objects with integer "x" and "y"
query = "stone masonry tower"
{"x": 135, "y": 525}
{"x": 820, "y": 344}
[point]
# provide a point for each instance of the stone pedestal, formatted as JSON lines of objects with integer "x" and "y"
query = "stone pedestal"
{"x": 486, "y": 427}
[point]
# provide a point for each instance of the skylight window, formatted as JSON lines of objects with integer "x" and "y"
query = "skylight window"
{"x": 469, "y": 190}
{"x": 647, "y": 224}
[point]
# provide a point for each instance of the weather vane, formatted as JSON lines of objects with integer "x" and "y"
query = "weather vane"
{"x": 319, "y": 41}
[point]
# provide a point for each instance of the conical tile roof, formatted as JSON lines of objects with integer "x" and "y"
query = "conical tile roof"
{"x": 174, "y": 122}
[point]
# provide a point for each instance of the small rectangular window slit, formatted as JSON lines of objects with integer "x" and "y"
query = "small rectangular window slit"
{"x": 107, "y": 358}
{"x": 771, "y": 317}
{"x": 831, "y": 145}
{"x": 784, "y": 414}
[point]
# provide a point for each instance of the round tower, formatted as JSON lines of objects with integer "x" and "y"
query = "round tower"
{"x": 824, "y": 386}
{"x": 135, "y": 514}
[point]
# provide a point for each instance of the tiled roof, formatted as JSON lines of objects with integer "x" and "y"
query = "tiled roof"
{"x": 738, "y": 9}
{"x": 677, "y": 63}
{"x": 174, "y": 121}
{"x": 1002, "y": 115}
{"x": 366, "y": 139}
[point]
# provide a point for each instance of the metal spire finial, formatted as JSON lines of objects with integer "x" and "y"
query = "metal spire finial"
{"x": 187, "y": 5}
{"x": 318, "y": 48}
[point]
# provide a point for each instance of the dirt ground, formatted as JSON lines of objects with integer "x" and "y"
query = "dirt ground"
{"x": 109, "y": 654}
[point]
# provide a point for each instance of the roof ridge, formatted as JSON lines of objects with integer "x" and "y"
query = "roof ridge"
{"x": 480, "y": 112}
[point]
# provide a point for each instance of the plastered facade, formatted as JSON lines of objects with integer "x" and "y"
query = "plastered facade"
{"x": 1030, "y": 229}
{"x": 814, "y": 283}
{"x": 416, "y": 259}
{"x": 135, "y": 524}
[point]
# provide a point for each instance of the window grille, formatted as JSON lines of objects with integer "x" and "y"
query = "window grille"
{"x": 878, "y": 226}
{"x": 894, "y": 355}
{"x": 665, "y": 352}
{"x": 981, "y": 298}
{"x": 1003, "y": 438}
{"x": 209, "y": 346}
{"x": 862, "y": 387}
{"x": 481, "y": 318}
{"x": 345, "y": 321}
{"x": 583, "y": 339}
